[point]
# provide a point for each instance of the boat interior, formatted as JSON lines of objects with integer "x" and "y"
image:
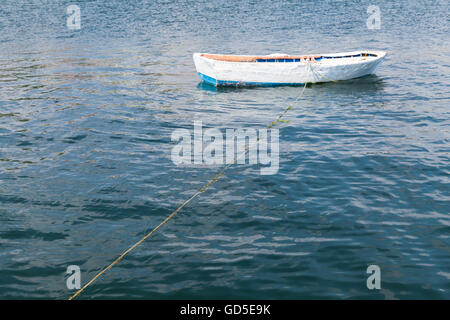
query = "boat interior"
{"x": 281, "y": 58}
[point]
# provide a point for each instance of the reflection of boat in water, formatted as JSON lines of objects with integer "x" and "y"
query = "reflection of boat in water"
{"x": 282, "y": 69}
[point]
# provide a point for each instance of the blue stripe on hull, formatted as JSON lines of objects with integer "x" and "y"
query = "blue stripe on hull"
{"x": 207, "y": 79}
{"x": 217, "y": 83}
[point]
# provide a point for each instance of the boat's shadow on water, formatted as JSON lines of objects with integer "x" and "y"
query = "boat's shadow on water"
{"x": 367, "y": 84}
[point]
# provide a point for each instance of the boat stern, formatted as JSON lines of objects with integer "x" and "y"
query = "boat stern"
{"x": 205, "y": 69}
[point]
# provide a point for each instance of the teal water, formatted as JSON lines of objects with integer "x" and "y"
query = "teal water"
{"x": 86, "y": 118}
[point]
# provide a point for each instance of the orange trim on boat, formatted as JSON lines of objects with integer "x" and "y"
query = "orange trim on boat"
{"x": 234, "y": 58}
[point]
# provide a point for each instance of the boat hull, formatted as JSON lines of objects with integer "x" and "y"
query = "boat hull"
{"x": 276, "y": 70}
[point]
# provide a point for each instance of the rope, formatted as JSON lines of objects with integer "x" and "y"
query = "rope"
{"x": 170, "y": 216}
{"x": 319, "y": 74}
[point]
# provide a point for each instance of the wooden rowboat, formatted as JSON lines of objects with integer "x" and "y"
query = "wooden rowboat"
{"x": 283, "y": 69}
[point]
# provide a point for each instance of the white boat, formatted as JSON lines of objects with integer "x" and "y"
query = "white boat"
{"x": 283, "y": 69}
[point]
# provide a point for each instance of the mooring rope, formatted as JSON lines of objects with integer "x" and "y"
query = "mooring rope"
{"x": 310, "y": 65}
{"x": 170, "y": 216}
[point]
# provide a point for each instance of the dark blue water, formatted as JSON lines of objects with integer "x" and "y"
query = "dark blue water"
{"x": 85, "y": 170}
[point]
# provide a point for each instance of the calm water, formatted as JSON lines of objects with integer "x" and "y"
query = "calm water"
{"x": 85, "y": 171}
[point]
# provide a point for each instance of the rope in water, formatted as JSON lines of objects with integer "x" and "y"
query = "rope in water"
{"x": 170, "y": 216}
